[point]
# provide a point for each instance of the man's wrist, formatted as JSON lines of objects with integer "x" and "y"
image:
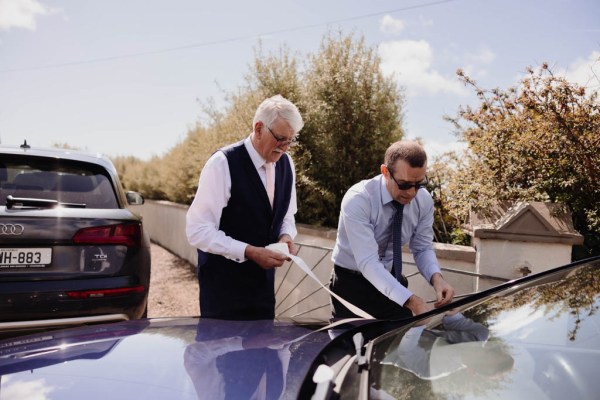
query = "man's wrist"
{"x": 416, "y": 305}
{"x": 412, "y": 302}
{"x": 284, "y": 237}
{"x": 436, "y": 276}
{"x": 249, "y": 251}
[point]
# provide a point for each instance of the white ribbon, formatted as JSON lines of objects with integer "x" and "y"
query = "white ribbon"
{"x": 283, "y": 248}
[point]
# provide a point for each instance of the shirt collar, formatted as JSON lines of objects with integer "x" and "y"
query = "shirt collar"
{"x": 256, "y": 158}
{"x": 386, "y": 197}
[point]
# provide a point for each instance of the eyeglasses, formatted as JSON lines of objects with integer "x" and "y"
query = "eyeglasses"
{"x": 408, "y": 185}
{"x": 284, "y": 141}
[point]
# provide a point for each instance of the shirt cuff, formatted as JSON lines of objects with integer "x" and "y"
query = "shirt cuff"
{"x": 448, "y": 319}
{"x": 429, "y": 272}
{"x": 238, "y": 251}
{"x": 400, "y": 294}
{"x": 288, "y": 229}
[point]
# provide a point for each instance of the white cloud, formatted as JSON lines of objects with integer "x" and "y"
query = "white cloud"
{"x": 474, "y": 63}
{"x": 389, "y": 24}
{"x": 411, "y": 62}
{"x": 21, "y": 13}
{"x": 585, "y": 72}
{"x": 436, "y": 148}
{"x": 485, "y": 56}
{"x": 36, "y": 389}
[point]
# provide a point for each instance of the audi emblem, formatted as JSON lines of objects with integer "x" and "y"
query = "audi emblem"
{"x": 11, "y": 229}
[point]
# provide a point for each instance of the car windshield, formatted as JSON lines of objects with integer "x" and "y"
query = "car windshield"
{"x": 534, "y": 342}
{"x": 59, "y": 180}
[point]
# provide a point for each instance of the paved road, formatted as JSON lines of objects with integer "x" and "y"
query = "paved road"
{"x": 173, "y": 286}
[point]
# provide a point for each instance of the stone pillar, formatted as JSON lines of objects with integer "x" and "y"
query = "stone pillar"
{"x": 517, "y": 239}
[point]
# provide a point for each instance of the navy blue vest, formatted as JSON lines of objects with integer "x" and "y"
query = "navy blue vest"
{"x": 244, "y": 291}
{"x": 240, "y": 370}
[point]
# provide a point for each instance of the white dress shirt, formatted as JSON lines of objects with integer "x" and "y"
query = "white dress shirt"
{"x": 364, "y": 237}
{"x": 214, "y": 191}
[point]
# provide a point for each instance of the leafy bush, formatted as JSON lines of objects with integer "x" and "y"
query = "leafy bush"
{"x": 351, "y": 112}
{"x": 539, "y": 141}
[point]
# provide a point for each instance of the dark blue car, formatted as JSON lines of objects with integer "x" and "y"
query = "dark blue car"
{"x": 533, "y": 338}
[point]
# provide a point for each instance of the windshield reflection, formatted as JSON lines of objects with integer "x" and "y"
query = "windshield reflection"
{"x": 234, "y": 359}
{"x": 540, "y": 339}
{"x": 434, "y": 353}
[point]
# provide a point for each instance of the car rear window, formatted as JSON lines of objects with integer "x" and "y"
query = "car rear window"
{"x": 65, "y": 181}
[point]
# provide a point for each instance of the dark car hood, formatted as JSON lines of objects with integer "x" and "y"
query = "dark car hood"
{"x": 182, "y": 358}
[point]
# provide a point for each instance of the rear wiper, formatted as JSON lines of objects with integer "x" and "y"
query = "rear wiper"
{"x": 24, "y": 202}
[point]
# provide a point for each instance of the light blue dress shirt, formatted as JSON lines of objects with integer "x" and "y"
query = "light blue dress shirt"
{"x": 364, "y": 236}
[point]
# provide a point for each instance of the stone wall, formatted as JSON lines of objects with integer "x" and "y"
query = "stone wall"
{"x": 297, "y": 294}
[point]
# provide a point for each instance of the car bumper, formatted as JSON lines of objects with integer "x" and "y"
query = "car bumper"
{"x": 72, "y": 299}
{"x": 14, "y": 327}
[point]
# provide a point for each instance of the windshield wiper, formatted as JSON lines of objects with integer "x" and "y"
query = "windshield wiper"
{"x": 363, "y": 354}
{"x": 327, "y": 377}
{"x": 324, "y": 379}
{"x": 24, "y": 202}
{"x": 361, "y": 359}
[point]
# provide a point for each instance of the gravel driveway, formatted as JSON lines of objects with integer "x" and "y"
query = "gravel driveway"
{"x": 173, "y": 286}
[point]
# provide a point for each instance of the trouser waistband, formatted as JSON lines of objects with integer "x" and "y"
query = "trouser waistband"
{"x": 343, "y": 270}
{"x": 346, "y": 271}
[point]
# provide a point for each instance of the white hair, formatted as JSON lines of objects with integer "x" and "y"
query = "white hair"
{"x": 278, "y": 107}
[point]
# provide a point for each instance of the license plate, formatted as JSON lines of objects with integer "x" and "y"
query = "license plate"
{"x": 25, "y": 258}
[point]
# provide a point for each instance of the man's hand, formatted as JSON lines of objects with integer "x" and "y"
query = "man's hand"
{"x": 265, "y": 258}
{"x": 285, "y": 238}
{"x": 443, "y": 291}
{"x": 417, "y": 305}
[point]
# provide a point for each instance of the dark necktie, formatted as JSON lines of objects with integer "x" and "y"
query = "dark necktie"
{"x": 397, "y": 240}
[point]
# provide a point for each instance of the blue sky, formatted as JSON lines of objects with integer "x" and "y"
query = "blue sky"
{"x": 123, "y": 77}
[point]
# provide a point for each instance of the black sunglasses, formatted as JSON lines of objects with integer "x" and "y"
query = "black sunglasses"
{"x": 408, "y": 185}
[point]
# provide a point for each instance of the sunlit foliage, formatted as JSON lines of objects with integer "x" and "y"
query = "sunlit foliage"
{"x": 351, "y": 112}
{"x": 537, "y": 141}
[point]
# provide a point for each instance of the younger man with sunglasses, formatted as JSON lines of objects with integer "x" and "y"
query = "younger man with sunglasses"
{"x": 363, "y": 254}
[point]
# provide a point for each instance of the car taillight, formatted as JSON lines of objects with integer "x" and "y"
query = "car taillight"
{"x": 89, "y": 294}
{"x": 124, "y": 234}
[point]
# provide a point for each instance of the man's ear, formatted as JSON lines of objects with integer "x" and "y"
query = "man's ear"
{"x": 384, "y": 170}
{"x": 258, "y": 128}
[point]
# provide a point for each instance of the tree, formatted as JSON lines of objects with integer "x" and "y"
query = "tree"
{"x": 447, "y": 224}
{"x": 538, "y": 141}
{"x": 141, "y": 176}
{"x": 268, "y": 76}
{"x": 352, "y": 113}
